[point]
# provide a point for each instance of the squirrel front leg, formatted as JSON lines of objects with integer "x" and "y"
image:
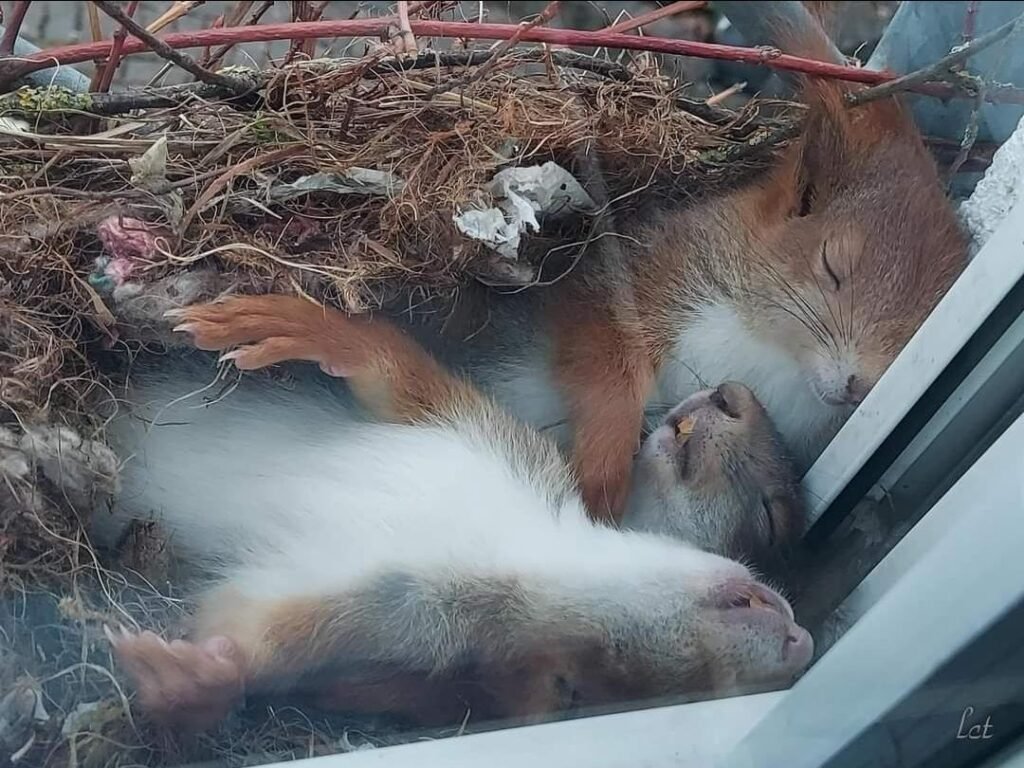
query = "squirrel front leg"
{"x": 605, "y": 372}
{"x": 388, "y": 371}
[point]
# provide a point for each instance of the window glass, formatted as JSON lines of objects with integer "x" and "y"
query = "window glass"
{"x": 376, "y": 373}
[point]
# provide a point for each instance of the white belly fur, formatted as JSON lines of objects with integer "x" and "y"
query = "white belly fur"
{"x": 718, "y": 347}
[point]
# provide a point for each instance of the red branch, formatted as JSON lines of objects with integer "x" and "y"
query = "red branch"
{"x": 303, "y": 30}
{"x": 13, "y": 27}
{"x": 110, "y": 67}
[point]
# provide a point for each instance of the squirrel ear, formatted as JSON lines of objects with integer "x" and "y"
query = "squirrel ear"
{"x": 837, "y": 137}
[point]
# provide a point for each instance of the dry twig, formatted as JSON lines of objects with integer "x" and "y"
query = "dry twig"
{"x": 165, "y": 51}
{"x": 178, "y": 10}
{"x": 407, "y": 38}
{"x": 240, "y": 9}
{"x": 672, "y": 9}
{"x": 109, "y": 69}
{"x": 96, "y": 30}
{"x": 969, "y": 138}
{"x": 940, "y": 70}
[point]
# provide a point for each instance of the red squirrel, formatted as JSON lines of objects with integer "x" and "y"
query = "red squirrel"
{"x": 803, "y": 284}
{"x": 436, "y": 561}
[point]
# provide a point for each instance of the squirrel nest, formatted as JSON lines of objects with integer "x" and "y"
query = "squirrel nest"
{"x": 341, "y": 179}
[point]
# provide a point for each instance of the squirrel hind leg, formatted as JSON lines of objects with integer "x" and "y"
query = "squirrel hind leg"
{"x": 181, "y": 684}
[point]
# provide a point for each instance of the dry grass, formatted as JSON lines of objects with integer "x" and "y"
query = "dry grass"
{"x": 443, "y": 130}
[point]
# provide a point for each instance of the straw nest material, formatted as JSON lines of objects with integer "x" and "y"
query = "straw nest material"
{"x": 340, "y": 179}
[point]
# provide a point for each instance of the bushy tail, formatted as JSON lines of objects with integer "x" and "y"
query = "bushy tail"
{"x": 797, "y": 28}
{"x": 214, "y": 468}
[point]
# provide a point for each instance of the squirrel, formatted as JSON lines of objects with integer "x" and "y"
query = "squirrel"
{"x": 437, "y": 559}
{"x": 803, "y": 283}
{"x": 715, "y": 473}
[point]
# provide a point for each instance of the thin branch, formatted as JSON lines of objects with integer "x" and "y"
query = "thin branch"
{"x": 94, "y": 22}
{"x": 937, "y": 71}
{"x": 178, "y": 10}
{"x": 302, "y": 10}
{"x": 969, "y": 138}
{"x": 970, "y": 20}
{"x": 165, "y": 51}
{"x": 18, "y": 11}
{"x": 220, "y": 53}
{"x": 109, "y": 69}
{"x": 97, "y": 34}
{"x": 407, "y": 38}
{"x": 431, "y": 59}
{"x": 946, "y": 151}
{"x": 718, "y": 98}
{"x": 673, "y": 9}
{"x": 106, "y": 104}
{"x": 549, "y": 12}
{"x": 772, "y": 58}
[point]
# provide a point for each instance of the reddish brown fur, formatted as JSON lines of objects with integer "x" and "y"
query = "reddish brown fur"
{"x": 286, "y": 647}
{"x": 387, "y": 370}
{"x": 426, "y": 701}
{"x": 876, "y": 198}
{"x": 182, "y": 684}
{"x": 603, "y": 369}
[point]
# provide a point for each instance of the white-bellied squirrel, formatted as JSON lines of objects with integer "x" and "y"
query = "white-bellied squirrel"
{"x": 439, "y": 561}
{"x": 803, "y": 284}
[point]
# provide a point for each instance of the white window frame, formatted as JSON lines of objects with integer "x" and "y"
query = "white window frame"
{"x": 977, "y": 528}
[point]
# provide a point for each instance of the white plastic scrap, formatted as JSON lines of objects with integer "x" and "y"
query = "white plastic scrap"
{"x": 521, "y": 194}
{"x": 149, "y": 172}
{"x": 354, "y": 181}
{"x": 19, "y": 708}
{"x": 13, "y": 125}
{"x": 151, "y": 166}
{"x": 998, "y": 192}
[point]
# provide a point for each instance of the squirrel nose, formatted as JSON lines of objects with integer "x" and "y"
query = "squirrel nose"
{"x": 856, "y": 389}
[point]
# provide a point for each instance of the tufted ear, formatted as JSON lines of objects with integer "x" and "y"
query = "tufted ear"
{"x": 838, "y": 139}
{"x": 833, "y": 125}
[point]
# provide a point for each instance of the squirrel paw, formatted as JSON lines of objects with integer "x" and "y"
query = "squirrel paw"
{"x": 271, "y": 329}
{"x": 181, "y": 684}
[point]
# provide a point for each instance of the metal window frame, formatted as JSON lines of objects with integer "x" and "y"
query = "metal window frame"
{"x": 1011, "y": 757}
{"x": 957, "y": 610}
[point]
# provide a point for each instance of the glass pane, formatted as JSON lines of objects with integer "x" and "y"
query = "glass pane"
{"x": 536, "y": 316}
